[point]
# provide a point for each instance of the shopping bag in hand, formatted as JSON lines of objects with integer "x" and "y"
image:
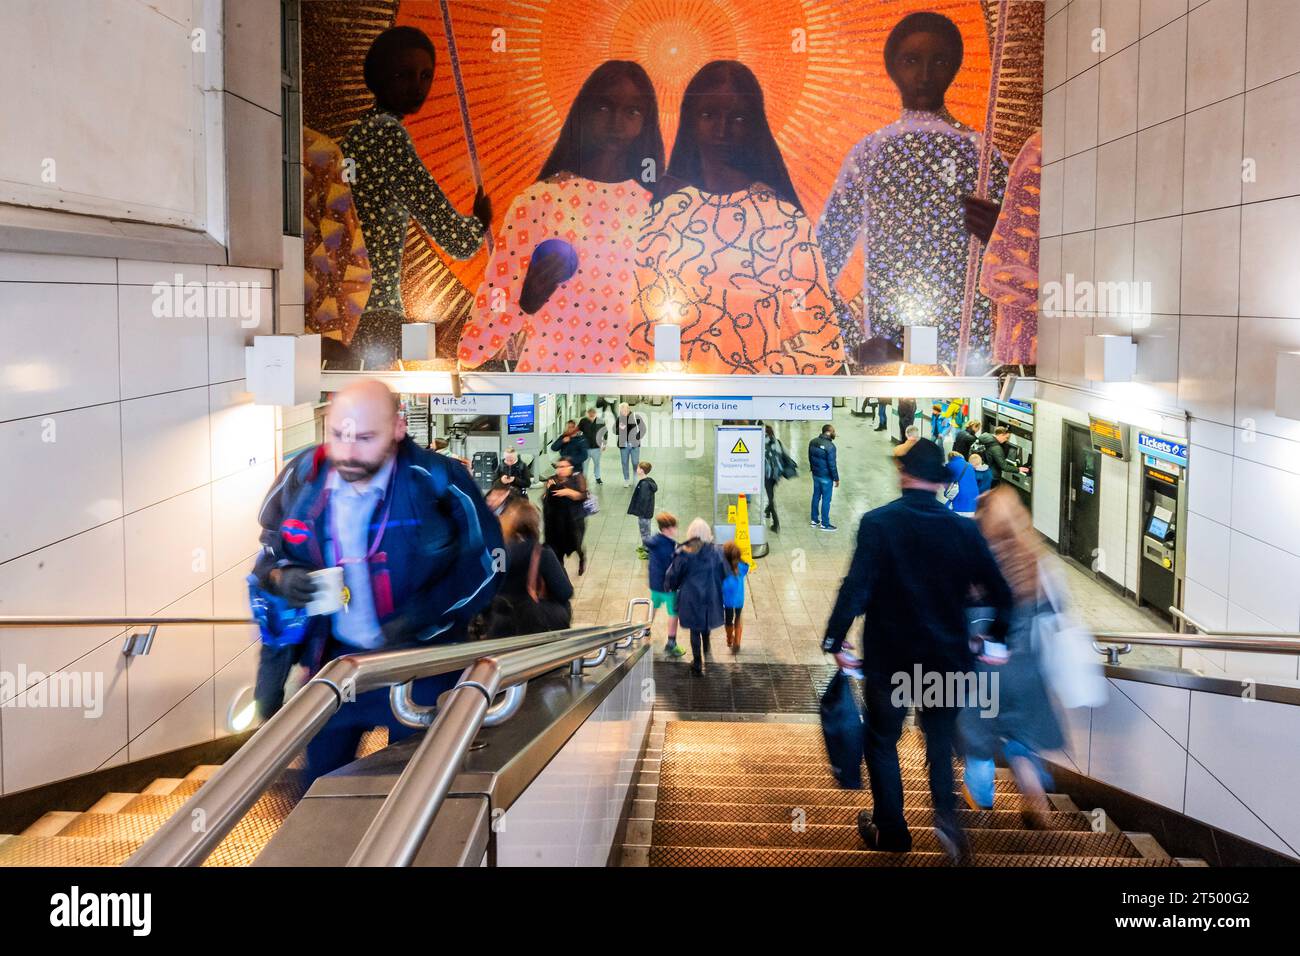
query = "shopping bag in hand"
{"x": 842, "y": 729}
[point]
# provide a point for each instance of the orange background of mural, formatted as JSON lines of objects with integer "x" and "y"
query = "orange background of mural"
{"x": 819, "y": 102}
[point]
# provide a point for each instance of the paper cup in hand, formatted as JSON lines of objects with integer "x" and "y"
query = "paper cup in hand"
{"x": 329, "y": 591}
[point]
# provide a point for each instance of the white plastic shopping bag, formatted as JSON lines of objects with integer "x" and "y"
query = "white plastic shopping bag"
{"x": 1070, "y": 666}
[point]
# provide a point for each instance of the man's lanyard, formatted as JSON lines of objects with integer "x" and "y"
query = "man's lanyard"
{"x": 339, "y": 559}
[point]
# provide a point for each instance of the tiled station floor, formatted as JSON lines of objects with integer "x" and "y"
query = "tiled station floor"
{"x": 792, "y": 589}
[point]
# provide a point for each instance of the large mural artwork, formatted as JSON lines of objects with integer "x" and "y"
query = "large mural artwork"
{"x": 715, "y": 186}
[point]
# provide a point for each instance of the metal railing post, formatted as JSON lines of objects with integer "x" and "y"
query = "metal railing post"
{"x": 399, "y": 828}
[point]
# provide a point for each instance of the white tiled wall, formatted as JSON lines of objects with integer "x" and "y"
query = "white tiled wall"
{"x": 134, "y": 464}
{"x": 1170, "y": 158}
{"x": 1215, "y": 757}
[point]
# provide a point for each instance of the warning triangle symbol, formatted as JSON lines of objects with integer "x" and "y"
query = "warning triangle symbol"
{"x": 739, "y": 448}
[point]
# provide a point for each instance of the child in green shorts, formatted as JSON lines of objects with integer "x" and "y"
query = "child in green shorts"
{"x": 660, "y": 548}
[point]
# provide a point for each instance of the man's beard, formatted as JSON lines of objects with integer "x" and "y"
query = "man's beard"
{"x": 353, "y": 471}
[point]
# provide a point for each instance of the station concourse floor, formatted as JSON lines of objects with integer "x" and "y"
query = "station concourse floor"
{"x": 790, "y": 591}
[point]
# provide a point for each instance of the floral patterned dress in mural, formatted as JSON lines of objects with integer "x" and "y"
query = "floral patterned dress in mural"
{"x": 743, "y": 277}
{"x": 900, "y": 193}
{"x": 583, "y": 326}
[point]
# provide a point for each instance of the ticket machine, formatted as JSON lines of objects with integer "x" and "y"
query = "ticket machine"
{"x": 1164, "y": 518}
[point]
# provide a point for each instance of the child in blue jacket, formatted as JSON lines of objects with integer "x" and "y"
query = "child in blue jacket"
{"x": 659, "y": 550}
{"x": 733, "y": 594}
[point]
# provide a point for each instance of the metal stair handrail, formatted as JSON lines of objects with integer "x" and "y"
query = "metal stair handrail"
{"x": 204, "y": 820}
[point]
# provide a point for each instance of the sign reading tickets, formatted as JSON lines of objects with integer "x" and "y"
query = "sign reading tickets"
{"x": 762, "y": 407}
{"x": 739, "y": 467}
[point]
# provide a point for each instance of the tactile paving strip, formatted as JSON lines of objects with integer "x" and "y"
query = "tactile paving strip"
{"x": 758, "y": 688}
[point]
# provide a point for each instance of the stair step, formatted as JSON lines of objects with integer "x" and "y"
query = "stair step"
{"x": 112, "y": 802}
{"x": 162, "y": 786}
{"x": 804, "y": 795}
{"x": 845, "y": 837}
{"x": 50, "y": 824}
{"x": 846, "y": 815}
{"x": 790, "y": 857}
{"x": 64, "y": 851}
{"x": 203, "y": 771}
{"x": 89, "y": 851}
{"x": 820, "y": 776}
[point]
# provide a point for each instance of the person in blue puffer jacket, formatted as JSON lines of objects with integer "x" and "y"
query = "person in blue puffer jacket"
{"x": 961, "y": 474}
{"x": 825, "y": 477}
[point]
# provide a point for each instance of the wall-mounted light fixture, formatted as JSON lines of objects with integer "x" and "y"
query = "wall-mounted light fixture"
{"x": 1286, "y": 391}
{"x": 668, "y": 342}
{"x": 921, "y": 344}
{"x": 283, "y": 369}
{"x": 418, "y": 341}
{"x": 1109, "y": 358}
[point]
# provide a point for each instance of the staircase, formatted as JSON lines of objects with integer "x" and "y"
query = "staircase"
{"x": 118, "y": 823}
{"x": 113, "y": 829}
{"x": 761, "y": 794}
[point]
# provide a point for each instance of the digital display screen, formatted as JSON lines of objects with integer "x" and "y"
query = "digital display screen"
{"x": 1158, "y": 528}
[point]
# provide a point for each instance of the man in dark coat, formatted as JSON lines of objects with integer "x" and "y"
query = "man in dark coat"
{"x": 914, "y": 621}
{"x": 825, "y": 477}
{"x": 414, "y": 539}
{"x": 966, "y": 438}
{"x": 992, "y": 450}
{"x": 572, "y": 446}
{"x": 906, "y": 416}
{"x": 594, "y": 431}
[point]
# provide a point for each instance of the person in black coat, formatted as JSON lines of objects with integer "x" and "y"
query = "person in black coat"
{"x": 572, "y": 446}
{"x": 696, "y": 574}
{"x": 513, "y": 475}
{"x": 594, "y": 431}
{"x": 563, "y": 515}
{"x": 966, "y": 438}
{"x": 536, "y": 593}
{"x": 642, "y": 505}
{"x": 914, "y": 620}
{"x": 906, "y": 416}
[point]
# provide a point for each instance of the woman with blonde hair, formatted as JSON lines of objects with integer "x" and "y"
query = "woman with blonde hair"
{"x": 1023, "y": 723}
{"x": 696, "y": 574}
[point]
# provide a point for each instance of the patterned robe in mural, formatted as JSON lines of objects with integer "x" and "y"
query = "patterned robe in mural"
{"x": 583, "y": 327}
{"x": 393, "y": 186}
{"x": 900, "y": 193}
{"x": 1010, "y": 273}
{"x": 742, "y": 275}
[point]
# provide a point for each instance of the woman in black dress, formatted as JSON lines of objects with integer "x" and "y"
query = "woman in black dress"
{"x": 563, "y": 516}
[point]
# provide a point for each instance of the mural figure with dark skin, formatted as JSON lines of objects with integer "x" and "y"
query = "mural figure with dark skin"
{"x": 392, "y": 186}
{"x": 557, "y": 293}
{"x": 611, "y": 123}
{"x": 920, "y": 169}
{"x": 727, "y": 253}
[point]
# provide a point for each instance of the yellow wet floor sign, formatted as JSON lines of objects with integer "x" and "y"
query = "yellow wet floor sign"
{"x": 740, "y": 448}
{"x": 742, "y": 530}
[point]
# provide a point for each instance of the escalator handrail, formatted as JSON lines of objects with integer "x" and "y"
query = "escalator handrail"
{"x": 1262, "y": 642}
{"x": 195, "y": 830}
{"x": 399, "y": 829}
